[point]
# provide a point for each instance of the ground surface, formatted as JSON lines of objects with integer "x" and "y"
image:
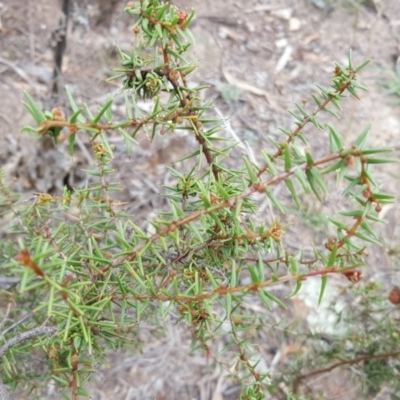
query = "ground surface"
{"x": 258, "y": 57}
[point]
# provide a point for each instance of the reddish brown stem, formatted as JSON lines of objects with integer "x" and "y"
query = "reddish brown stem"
{"x": 225, "y": 290}
{"x": 256, "y": 187}
{"x": 307, "y": 119}
{"x": 341, "y": 363}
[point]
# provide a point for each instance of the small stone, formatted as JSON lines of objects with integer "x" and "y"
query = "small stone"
{"x": 281, "y": 43}
{"x": 253, "y": 47}
{"x": 284, "y": 13}
{"x": 294, "y": 24}
{"x": 251, "y": 27}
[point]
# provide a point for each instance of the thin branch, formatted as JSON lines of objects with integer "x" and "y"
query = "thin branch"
{"x": 255, "y": 187}
{"x": 17, "y": 339}
{"x": 310, "y": 117}
{"x": 341, "y": 363}
{"x": 353, "y": 275}
{"x": 243, "y": 357}
{"x": 24, "y": 336}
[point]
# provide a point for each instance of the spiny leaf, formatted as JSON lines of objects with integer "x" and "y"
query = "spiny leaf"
{"x": 336, "y": 140}
{"x": 324, "y": 280}
{"x": 362, "y": 138}
{"x": 74, "y": 107}
{"x": 266, "y": 296}
{"x": 33, "y": 109}
{"x": 293, "y": 192}
{"x": 102, "y": 111}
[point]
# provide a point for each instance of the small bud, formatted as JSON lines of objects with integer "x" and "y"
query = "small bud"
{"x": 95, "y": 330}
{"x": 329, "y": 245}
{"x": 182, "y": 310}
{"x": 366, "y": 194}
{"x": 259, "y": 187}
{"x": 58, "y": 115}
{"x": 337, "y": 71}
{"x": 349, "y": 161}
{"x": 173, "y": 75}
{"x": 53, "y": 354}
{"x": 43, "y": 198}
{"x": 394, "y": 296}
{"x": 74, "y": 359}
{"x": 378, "y": 208}
{"x": 182, "y": 15}
{"x": 237, "y": 320}
{"x": 353, "y": 276}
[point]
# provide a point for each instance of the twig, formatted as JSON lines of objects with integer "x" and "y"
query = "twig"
{"x": 353, "y": 275}
{"x": 17, "y": 339}
{"x": 345, "y": 85}
{"x": 16, "y": 69}
{"x": 244, "y": 359}
{"x": 60, "y": 36}
{"x": 14, "y": 325}
{"x": 341, "y": 363}
{"x": 255, "y": 187}
{"x": 24, "y": 336}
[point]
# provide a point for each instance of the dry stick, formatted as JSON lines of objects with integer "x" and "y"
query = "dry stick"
{"x": 106, "y": 8}
{"x": 17, "y": 339}
{"x": 24, "y": 336}
{"x": 59, "y": 48}
{"x": 343, "y": 362}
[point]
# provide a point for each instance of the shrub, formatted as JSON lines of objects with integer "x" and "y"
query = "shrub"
{"x": 88, "y": 275}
